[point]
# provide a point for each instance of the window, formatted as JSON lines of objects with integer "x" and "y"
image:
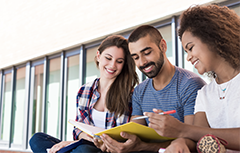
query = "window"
{"x": 72, "y": 90}
{"x": 92, "y": 71}
{"x": 52, "y": 116}
{"x": 19, "y": 107}
{"x": 236, "y": 9}
{"x": 6, "y": 107}
{"x": 1, "y": 79}
{"x": 37, "y": 99}
{"x": 166, "y": 33}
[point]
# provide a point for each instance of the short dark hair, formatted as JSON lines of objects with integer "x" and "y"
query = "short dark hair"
{"x": 143, "y": 31}
{"x": 218, "y": 27}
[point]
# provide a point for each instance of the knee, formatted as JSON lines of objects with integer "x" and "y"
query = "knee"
{"x": 35, "y": 138}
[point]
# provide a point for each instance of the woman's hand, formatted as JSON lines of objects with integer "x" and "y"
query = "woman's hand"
{"x": 85, "y": 136}
{"x": 177, "y": 146}
{"x": 59, "y": 146}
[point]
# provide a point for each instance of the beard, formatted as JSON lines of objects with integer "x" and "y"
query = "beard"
{"x": 158, "y": 66}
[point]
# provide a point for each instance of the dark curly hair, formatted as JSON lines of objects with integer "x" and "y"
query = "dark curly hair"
{"x": 218, "y": 27}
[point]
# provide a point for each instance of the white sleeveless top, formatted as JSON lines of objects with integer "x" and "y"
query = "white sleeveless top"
{"x": 99, "y": 118}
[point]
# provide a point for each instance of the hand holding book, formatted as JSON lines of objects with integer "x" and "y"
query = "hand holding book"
{"x": 145, "y": 133}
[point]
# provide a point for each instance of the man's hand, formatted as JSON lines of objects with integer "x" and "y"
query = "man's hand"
{"x": 133, "y": 143}
{"x": 164, "y": 125}
{"x": 99, "y": 143}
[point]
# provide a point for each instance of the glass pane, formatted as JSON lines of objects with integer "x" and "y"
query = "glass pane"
{"x": 37, "y": 99}
{"x": 53, "y": 98}
{"x": 167, "y": 36}
{"x": 92, "y": 70}
{"x": 6, "y": 107}
{"x": 236, "y": 9}
{"x": 72, "y": 89}
{"x": 19, "y": 106}
{"x": 0, "y": 84}
{"x": 1, "y": 92}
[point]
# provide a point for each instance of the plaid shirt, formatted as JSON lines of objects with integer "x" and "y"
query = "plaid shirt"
{"x": 87, "y": 97}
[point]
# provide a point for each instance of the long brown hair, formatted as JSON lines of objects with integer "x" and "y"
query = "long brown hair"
{"x": 120, "y": 91}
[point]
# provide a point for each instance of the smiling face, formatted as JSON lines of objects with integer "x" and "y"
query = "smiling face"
{"x": 199, "y": 54}
{"x": 111, "y": 62}
{"x": 147, "y": 56}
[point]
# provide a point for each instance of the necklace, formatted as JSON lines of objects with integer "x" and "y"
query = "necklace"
{"x": 223, "y": 91}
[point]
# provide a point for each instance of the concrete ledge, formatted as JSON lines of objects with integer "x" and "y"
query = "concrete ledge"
{"x": 13, "y": 151}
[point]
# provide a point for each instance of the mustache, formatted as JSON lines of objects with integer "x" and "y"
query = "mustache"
{"x": 147, "y": 65}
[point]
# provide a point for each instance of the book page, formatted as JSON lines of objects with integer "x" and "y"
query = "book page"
{"x": 88, "y": 129}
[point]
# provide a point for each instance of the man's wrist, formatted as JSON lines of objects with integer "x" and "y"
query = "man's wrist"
{"x": 154, "y": 147}
{"x": 146, "y": 147}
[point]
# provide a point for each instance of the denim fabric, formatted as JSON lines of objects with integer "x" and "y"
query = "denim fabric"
{"x": 41, "y": 141}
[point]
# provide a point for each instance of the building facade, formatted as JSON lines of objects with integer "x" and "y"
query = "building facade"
{"x": 48, "y": 49}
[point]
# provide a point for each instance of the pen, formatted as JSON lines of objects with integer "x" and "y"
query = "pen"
{"x": 162, "y": 113}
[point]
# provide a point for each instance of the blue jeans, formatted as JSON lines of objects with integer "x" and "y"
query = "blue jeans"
{"x": 41, "y": 141}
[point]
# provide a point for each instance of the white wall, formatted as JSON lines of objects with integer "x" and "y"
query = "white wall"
{"x": 31, "y": 29}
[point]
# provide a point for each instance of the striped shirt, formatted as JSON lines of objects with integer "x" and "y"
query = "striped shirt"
{"x": 179, "y": 94}
{"x": 87, "y": 97}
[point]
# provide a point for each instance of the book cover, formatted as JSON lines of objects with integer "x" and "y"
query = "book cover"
{"x": 145, "y": 133}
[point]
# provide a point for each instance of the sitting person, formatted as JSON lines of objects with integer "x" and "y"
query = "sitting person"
{"x": 105, "y": 102}
{"x": 168, "y": 87}
{"x": 211, "y": 37}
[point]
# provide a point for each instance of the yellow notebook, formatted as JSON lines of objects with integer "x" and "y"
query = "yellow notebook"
{"x": 143, "y": 132}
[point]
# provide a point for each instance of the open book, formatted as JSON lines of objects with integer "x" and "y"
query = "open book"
{"x": 143, "y": 132}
